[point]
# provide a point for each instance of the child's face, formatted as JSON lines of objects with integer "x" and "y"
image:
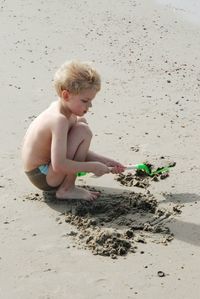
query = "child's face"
{"x": 79, "y": 104}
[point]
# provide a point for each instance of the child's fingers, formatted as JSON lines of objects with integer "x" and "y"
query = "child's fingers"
{"x": 120, "y": 167}
{"x": 117, "y": 169}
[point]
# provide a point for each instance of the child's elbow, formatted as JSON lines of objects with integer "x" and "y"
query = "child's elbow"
{"x": 61, "y": 167}
{"x": 58, "y": 167}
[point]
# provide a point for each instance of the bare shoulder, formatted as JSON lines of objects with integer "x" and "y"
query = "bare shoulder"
{"x": 55, "y": 117}
{"x": 59, "y": 123}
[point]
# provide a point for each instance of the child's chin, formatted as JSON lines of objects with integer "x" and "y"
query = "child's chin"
{"x": 78, "y": 113}
{"x": 81, "y": 114}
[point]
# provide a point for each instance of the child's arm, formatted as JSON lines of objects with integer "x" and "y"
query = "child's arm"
{"x": 117, "y": 167}
{"x": 59, "y": 150}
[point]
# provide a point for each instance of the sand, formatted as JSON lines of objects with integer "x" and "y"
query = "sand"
{"x": 145, "y": 242}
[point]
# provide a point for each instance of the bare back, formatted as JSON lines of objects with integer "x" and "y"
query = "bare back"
{"x": 36, "y": 149}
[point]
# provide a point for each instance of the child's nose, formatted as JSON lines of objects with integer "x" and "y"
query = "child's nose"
{"x": 90, "y": 104}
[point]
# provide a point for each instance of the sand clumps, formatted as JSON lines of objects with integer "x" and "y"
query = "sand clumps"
{"x": 141, "y": 179}
{"x": 114, "y": 224}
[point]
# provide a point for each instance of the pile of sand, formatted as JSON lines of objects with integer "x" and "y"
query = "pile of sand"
{"x": 114, "y": 224}
{"x": 141, "y": 179}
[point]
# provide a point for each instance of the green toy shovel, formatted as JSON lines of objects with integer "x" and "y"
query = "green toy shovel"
{"x": 142, "y": 167}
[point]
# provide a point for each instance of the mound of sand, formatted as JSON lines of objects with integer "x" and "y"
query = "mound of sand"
{"x": 141, "y": 179}
{"x": 115, "y": 223}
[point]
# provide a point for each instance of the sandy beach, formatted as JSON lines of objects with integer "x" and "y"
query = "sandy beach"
{"x": 148, "y": 55}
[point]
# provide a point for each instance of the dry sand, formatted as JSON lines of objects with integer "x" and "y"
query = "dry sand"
{"x": 149, "y": 58}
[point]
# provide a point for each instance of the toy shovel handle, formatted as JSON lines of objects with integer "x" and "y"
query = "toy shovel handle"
{"x": 128, "y": 167}
{"x": 83, "y": 173}
{"x": 131, "y": 167}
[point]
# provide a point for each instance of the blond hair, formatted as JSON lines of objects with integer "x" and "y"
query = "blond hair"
{"x": 76, "y": 76}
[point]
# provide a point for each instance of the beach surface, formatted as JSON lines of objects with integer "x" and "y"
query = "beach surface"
{"x": 148, "y": 55}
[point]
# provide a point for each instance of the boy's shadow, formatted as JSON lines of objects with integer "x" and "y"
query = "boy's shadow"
{"x": 114, "y": 209}
{"x": 63, "y": 206}
{"x": 185, "y": 231}
{"x": 181, "y": 198}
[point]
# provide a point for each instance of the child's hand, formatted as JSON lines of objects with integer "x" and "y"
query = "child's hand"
{"x": 116, "y": 167}
{"x": 100, "y": 169}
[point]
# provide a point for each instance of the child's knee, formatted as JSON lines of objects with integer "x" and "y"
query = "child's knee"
{"x": 84, "y": 129}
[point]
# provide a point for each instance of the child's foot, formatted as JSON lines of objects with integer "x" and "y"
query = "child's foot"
{"x": 77, "y": 193}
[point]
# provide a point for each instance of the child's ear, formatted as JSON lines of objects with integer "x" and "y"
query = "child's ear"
{"x": 65, "y": 94}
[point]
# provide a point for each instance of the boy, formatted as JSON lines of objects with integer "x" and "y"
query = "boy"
{"x": 56, "y": 144}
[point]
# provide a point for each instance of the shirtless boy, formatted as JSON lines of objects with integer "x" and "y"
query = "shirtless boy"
{"x": 56, "y": 144}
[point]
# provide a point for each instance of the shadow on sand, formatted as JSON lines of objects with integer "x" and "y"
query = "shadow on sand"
{"x": 186, "y": 231}
{"x": 114, "y": 212}
{"x": 181, "y": 198}
{"x": 182, "y": 230}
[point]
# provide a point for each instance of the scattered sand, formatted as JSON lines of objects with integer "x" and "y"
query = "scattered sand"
{"x": 143, "y": 180}
{"x": 115, "y": 223}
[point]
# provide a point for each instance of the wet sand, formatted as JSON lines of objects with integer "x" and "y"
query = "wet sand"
{"x": 139, "y": 240}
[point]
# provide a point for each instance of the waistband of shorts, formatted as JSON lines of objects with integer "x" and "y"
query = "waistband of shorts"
{"x": 40, "y": 169}
{"x": 33, "y": 171}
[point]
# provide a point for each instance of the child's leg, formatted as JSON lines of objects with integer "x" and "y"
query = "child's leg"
{"x": 79, "y": 139}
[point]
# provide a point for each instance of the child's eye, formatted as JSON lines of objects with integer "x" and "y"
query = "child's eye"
{"x": 84, "y": 101}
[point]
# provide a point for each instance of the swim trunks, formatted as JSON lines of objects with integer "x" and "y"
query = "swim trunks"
{"x": 38, "y": 178}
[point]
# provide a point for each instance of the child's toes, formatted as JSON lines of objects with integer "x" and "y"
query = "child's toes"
{"x": 94, "y": 196}
{"x": 95, "y": 193}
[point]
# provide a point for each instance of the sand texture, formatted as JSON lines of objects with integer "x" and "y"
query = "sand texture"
{"x": 141, "y": 238}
